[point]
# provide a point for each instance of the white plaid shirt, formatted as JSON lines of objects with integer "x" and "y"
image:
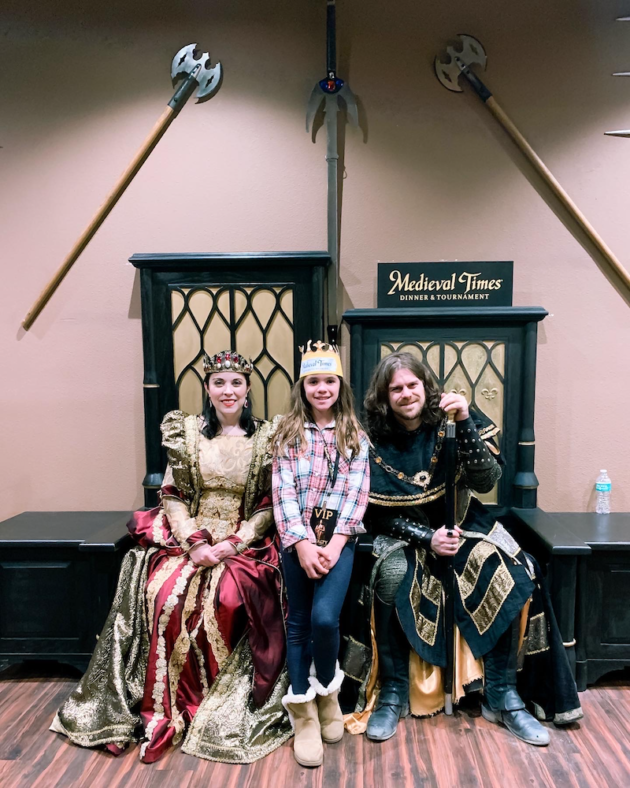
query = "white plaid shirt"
{"x": 301, "y": 481}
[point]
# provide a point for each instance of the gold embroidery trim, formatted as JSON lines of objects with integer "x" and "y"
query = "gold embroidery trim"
{"x": 171, "y": 565}
{"x": 467, "y": 580}
{"x": 497, "y": 592}
{"x": 156, "y": 529}
{"x": 501, "y": 538}
{"x": 180, "y": 651}
{"x": 537, "y": 641}
{"x": 210, "y": 622}
{"x": 431, "y": 588}
{"x": 158, "y": 690}
{"x": 488, "y": 432}
{"x": 426, "y": 629}
{"x": 406, "y": 500}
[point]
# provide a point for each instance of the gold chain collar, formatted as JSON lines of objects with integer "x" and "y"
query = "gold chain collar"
{"x": 422, "y": 478}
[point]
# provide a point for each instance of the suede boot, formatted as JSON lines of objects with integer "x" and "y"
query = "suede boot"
{"x": 307, "y": 744}
{"x": 393, "y": 657}
{"x": 330, "y": 715}
{"x": 502, "y": 702}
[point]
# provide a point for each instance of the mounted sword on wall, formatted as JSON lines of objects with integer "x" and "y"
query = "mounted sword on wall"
{"x": 196, "y": 71}
{"x": 458, "y": 62}
{"x": 334, "y": 92}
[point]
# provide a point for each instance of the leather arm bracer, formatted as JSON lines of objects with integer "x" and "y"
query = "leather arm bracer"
{"x": 409, "y": 531}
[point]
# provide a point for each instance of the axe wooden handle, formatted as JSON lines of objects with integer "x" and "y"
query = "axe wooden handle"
{"x": 125, "y": 179}
{"x": 610, "y": 265}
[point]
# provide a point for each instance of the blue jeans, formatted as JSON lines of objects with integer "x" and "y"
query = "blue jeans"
{"x": 313, "y": 621}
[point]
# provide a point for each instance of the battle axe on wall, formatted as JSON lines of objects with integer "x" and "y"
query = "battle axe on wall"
{"x": 196, "y": 71}
{"x": 457, "y": 62}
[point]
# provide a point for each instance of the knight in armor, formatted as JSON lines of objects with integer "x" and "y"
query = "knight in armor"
{"x": 507, "y": 642}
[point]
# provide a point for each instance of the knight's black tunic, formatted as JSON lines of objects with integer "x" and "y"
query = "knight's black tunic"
{"x": 494, "y": 578}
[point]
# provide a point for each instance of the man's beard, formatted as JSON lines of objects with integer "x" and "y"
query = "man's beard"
{"x": 408, "y": 417}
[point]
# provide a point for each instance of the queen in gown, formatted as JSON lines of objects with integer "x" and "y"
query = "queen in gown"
{"x": 193, "y": 649}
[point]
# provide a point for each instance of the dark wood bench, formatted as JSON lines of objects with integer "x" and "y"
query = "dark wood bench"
{"x": 58, "y": 574}
{"x": 587, "y": 557}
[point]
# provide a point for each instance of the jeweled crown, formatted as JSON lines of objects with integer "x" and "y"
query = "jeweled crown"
{"x": 227, "y": 361}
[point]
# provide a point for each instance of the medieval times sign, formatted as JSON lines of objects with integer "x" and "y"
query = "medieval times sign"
{"x": 445, "y": 284}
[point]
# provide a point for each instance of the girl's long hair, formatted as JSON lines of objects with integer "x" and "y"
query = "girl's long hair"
{"x": 347, "y": 428}
{"x": 212, "y": 426}
{"x": 378, "y": 420}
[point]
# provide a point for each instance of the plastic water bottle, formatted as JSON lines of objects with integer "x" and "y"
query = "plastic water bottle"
{"x": 603, "y": 486}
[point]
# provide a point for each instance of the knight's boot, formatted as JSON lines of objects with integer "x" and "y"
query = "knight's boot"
{"x": 393, "y": 660}
{"x": 330, "y": 715}
{"x": 502, "y": 702}
{"x": 307, "y": 744}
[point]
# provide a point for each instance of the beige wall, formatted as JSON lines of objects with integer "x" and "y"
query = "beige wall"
{"x": 431, "y": 179}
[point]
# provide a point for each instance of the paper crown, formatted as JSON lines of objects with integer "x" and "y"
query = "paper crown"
{"x": 320, "y": 358}
{"x": 227, "y": 361}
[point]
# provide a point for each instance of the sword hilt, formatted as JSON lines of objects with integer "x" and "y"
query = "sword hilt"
{"x": 331, "y": 38}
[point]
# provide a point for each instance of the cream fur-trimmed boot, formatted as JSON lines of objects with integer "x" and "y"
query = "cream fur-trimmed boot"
{"x": 307, "y": 745}
{"x": 330, "y": 716}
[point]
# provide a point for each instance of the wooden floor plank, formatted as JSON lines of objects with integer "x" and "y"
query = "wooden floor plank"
{"x": 441, "y": 752}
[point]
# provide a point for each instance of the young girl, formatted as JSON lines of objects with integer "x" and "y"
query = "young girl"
{"x": 320, "y": 493}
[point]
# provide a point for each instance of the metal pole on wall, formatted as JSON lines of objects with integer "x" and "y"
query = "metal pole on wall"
{"x": 335, "y": 94}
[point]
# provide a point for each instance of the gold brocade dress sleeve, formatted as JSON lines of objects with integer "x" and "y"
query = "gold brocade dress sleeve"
{"x": 208, "y": 669}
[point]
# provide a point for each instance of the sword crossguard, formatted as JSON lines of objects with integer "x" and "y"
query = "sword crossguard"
{"x": 327, "y": 89}
{"x": 191, "y": 63}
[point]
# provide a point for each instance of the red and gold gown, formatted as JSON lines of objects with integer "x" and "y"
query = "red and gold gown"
{"x": 191, "y": 652}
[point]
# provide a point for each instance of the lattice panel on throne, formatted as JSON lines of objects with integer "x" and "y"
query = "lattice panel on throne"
{"x": 256, "y": 321}
{"x": 475, "y": 369}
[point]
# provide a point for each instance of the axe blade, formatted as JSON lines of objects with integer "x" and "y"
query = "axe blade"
{"x": 467, "y": 52}
{"x": 208, "y": 78}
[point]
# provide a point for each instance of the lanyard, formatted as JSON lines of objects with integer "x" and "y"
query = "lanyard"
{"x": 333, "y": 469}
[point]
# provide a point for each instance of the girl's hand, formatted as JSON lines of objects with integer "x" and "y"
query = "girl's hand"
{"x": 443, "y": 544}
{"x": 333, "y": 549}
{"x": 311, "y": 559}
{"x": 204, "y": 555}
{"x": 450, "y": 401}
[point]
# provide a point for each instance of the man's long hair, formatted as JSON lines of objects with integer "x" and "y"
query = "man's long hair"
{"x": 379, "y": 420}
{"x": 347, "y": 428}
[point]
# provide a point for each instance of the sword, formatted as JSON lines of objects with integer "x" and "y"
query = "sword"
{"x": 335, "y": 94}
{"x": 195, "y": 71}
{"x": 450, "y": 454}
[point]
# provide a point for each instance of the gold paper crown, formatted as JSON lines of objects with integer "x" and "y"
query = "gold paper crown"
{"x": 320, "y": 358}
{"x": 227, "y": 361}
